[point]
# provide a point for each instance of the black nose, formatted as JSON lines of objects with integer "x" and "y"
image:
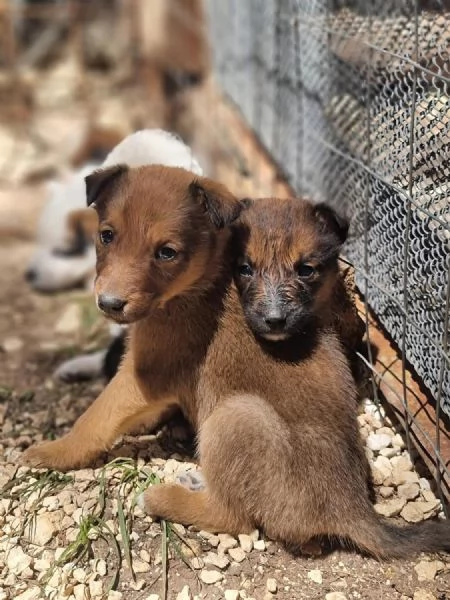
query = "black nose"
{"x": 275, "y": 320}
{"x": 110, "y": 303}
{"x": 30, "y": 275}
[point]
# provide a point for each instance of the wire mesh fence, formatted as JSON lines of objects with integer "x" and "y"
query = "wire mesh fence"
{"x": 352, "y": 99}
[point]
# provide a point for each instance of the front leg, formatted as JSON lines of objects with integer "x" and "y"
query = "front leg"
{"x": 120, "y": 409}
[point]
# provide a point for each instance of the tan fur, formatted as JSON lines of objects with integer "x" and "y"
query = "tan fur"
{"x": 278, "y": 439}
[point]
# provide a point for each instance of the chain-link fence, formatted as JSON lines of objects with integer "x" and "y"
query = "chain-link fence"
{"x": 352, "y": 100}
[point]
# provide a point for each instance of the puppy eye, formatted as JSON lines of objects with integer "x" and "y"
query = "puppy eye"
{"x": 305, "y": 271}
{"x": 166, "y": 253}
{"x": 106, "y": 236}
{"x": 245, "y": 270}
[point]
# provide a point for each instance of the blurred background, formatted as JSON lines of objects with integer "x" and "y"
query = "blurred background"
{"x": 346, "y": 101}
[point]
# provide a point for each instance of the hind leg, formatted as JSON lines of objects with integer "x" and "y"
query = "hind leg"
{"x": 177, "y": 503}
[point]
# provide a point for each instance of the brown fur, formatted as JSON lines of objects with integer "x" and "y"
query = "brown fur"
{"x": 278, "y": 439}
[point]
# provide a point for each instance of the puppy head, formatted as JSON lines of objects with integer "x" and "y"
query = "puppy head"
{"x": 162, "y": 234}
{"x": 286, "y": 264}
{"x": 65, "y": 253}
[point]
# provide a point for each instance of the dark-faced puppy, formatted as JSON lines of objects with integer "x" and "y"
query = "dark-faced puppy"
{"x": 286, "y": 266}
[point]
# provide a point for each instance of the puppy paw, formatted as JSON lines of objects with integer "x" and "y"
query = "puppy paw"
{"x": 58, "y": 455}
{"x": 81, "y": 368}
{"x": 150, "y": 500}
{"x": 193, "y": 480}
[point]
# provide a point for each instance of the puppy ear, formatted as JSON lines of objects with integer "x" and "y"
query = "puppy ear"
{"x": 101, "y": 181}
{"x": 217, "y": 201}
{"x": 332, "y": 221}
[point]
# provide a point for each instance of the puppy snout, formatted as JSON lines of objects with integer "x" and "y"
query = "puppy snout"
{"x": 275, "y": 319}
{"x": 110, "y": 303}
{"x": 30, "y": 275}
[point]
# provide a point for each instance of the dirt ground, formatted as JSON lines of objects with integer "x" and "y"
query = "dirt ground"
{"x": 75, "y": 536}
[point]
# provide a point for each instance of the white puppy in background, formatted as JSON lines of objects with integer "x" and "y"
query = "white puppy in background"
{"x": 55, "y": 267}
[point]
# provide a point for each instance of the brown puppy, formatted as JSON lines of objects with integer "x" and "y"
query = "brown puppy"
{"x": 276, "y": 421}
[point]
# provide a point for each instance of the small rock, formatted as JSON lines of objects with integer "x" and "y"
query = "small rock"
{"x": 197, "y": 563}
{"x": 316, "y": 576}
{"x": 185, "y": 594}
{"x": 237, "y": 554}
{"x": 96, "y": 589}
{"x": 79, "y": 575}
{"x": 402, "y": 477}
{"x": 381, "y": 470}
{"x": 259, "y": 545}
{"x": 70, "y": 320}
{"x": 30, "y": 594}
{"x": 389, "y": 452}
{"x": 397, "y": 441}
{"x": 100, "y": 567}
{"x": 42, "y": 529}
{"x": 138, "y": 585}
{"x": 12, "y": 344}
{"x": 412, "y": 513}
{"x": 140, "y": 566}
{"x": 17, "y": 561}
{"x": 145, "y": 555}
{"x": 218, "y": 560}
{"x": 386, "y": 491}
{"x": 377, "y": 441}
{"x": 153, "y": 597}
{"x": 246, "y": 542}
{"x": 81, "y": 592}
{"x": 271, "y": 585}
{"x": 423, "y": 595}
{"x": 113, "y": 595}
{"x": 227, "y": 541}
{"x": 254, "y": 535}
{"x": 335, "y": 596}
{"x": 210, "y": 577}
{"x": 427, "y": 570}
{"x": 424, "y": 484}
{"x": 231, "y": 595}
{"x": 391, "y": 508}
{"x": 410, "y": 491}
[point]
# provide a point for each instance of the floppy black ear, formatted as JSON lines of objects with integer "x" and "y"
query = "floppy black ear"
{"x": 217, "y": 201}
{"x": 333, "y": 221}
{"x": 101, "y": 181}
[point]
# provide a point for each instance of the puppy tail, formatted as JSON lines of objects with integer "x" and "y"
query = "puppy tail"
{"x": 384, "y": 540}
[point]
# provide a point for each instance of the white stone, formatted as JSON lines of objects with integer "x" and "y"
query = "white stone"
{"x": 246, "y": 542}
{"x": 81, "y": 592}
{"x": 30, "y": 594}
{"x": 210, "y": 577}
{"x": 315, "y": 575}
{"x": 271, "y": 585}
{"x": 12, "y": 344}
{"x": 113, "y": 595}
{"x": 96, "y": 589}
{"x": 218, "y": 560}
{"x": 410, "y": 491}
{"x": 391, "y": 508}
{"x": 17, "y": 561}
{"x": 42, "y": 529}
{"x": 259, "y": 545}
{"x": 185, "y": 594}
{"x": 231, "y": 594}
{"x": 427, "y": 570}
{"x": 254, "y": 535}
{"x": 197, "y": 563}
{"x": 335, "y": 596}
{"x": 237, "y": 554}
{"x": 227, "y": 541}
{"x": 70, "y": 320}
{"x": 140, "y": 566}
{"x": 377, "y": 441}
